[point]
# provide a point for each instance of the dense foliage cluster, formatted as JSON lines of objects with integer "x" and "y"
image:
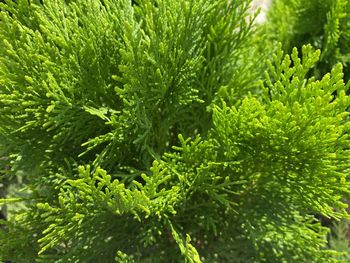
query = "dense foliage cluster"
{"x": 322, "y": 23}
{"x": 173, "y": 131}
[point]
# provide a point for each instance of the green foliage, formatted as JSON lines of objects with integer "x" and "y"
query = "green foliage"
{"x": 147, "y": 131}
{"x": 112, "y": 82}
{"x": 339, "y": 240}
{"x": 322, "y": 23}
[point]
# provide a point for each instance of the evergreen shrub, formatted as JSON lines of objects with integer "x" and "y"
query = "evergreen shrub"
{"x": 171, "y": 131}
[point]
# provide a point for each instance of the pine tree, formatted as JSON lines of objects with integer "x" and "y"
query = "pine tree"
{"x": 149, "y": 131}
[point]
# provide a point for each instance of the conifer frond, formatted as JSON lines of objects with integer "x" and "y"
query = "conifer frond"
{"x": 323, "y": 24}
{"x": 147, "y": 131}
